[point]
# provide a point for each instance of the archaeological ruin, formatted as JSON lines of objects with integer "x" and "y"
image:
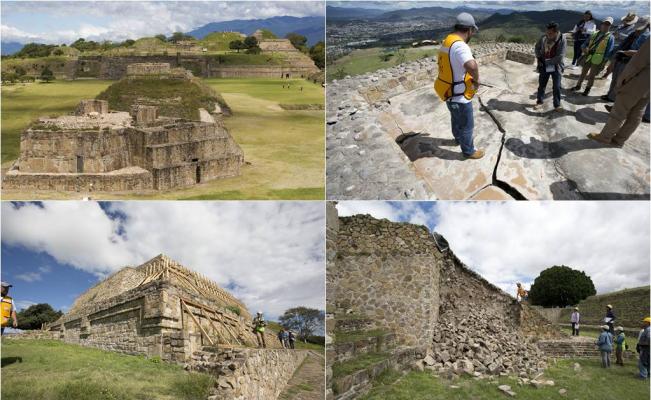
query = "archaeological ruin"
{"x": 400, "y": 298}
{"x": 389, "y": 137}
{"x": 285, "y": 61}
{"x": 163, "y": 309}
{"x": 149, "y": 144}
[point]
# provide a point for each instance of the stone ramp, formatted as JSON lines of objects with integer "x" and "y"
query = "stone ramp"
{"x": 307, "y": 382}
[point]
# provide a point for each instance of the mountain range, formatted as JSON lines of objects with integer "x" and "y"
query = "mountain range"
{"x": 313, "y": 28}
{"x": 340, "y": 14}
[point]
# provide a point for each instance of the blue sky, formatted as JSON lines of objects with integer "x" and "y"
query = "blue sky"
{"x": 268, "y": 254}
{"x": 600, "y": 9}
{"x": 58, "y": 22}
{"x": 514, "y": 241}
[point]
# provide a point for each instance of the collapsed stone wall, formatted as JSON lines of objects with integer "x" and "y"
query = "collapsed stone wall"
{"x": 394, "y": 274}
{"x": 245, "y": 374}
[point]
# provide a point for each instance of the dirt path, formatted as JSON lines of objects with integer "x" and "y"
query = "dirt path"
{"x": 308, "y": 382}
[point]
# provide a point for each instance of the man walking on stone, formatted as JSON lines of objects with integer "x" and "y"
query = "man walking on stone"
{"x": 259, "y": 325}
{"x": 574, "y": 319}
{"x": 632, "y": 99}
{"x": 458, "y": 81}
{"x": 597, "y": 51}
{"x": 550, "y": 52}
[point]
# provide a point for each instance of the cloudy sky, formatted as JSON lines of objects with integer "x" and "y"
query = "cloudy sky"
{"x": 514, "y": 241}
{"x": 56, "y": 22}
{"x": 268, "y": 254}
{"x": 600, "y": 9}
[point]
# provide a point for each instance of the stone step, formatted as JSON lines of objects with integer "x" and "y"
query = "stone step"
{"x": 373, "y": 343}
{"x": 353, "y": 385}
{"x": 573, "y": 349}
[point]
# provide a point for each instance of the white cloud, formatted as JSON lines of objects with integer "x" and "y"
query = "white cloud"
{"x": 271, "y": 252}
{"x": 34, "y": 275}
{"x": 510, "y": 242}
{"x": 23, "y": 304}
{"x": 120, "y": 20}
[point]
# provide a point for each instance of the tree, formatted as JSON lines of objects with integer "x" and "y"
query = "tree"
{"x": 254, "y": 50}
{"x": 298, "y": 41}
{"x": 47, "y": 75}
{"x": 560, "y": 286}
{"x": 9, "y": 77}
{"x": 131, "y": 42}
{"x": 267, "y": 34}
{"x": 303, "y": 320}
{"x": 161, "y": 37}
{"x": 236, "y": 45}
{"x": 35, "y": 316}
{"x": 179, "y": 36}
{"x": 317, "y": 54}
{"x": 31, "y": 50}
{"x": 57, "y": 52}
{"x": 340, "y": 73}
{"x": 250, "y": 42}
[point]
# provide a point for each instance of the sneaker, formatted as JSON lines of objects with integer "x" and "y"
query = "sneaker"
{"x": 608, "y": 108}
{"x": 476, "y": 155}
{"x": 537, "y": 106}
{"x": 558, "y": 109}
{"x": 606, "y": 98}
{"x": 597, "y": 138}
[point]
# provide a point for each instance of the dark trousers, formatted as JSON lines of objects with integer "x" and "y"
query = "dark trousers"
{"x": 618, "y": 356}
{"x": 556, "y": 86}
{"x": 577, "y": 50}
{"x": 575, "y": 330}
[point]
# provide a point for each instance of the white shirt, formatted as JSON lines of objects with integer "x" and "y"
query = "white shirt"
{"x": 589, "y": 28}
{"x": 459, "y": 54}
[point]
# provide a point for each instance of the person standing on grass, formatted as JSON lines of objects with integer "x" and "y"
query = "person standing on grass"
{"x": 643, "y": 349}
{"x": 620, "y": 345}
{"x": 550, "y": 52}
{"x": 8, "y": 309}
{"x": 574, "y": 319}
{"x": 605, "y": 343}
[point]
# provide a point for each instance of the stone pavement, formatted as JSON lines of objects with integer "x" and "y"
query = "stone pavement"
{"x": 389, "y": 137}
{"x": 308, "y": 381}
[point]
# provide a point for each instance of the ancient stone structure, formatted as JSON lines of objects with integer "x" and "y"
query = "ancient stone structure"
{"x": 163, "y": 309}
{"x": 389, "y": 137}
{"x": 392, "y": 291}
{"x": 98, "y": 150}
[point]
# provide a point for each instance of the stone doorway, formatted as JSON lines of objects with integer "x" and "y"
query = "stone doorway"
{"x": 80, "y": 164}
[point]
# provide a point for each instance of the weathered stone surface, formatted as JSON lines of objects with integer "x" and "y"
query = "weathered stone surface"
{"x": 545, "y": 153}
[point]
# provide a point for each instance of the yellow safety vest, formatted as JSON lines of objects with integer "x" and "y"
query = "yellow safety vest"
{"x": 7, "y": 305}
{"x": 595, "y": 56}
{"x": 444, "y": 84}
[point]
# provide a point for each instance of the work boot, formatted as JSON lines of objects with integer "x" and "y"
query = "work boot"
{"x": 597, "y": 138}
{"x": 606, "y": 98}
{"x": 586, "y": 91}
{"x": 576, "y": 88}
{"x": 608, "y": 108}
{"x": 476, "y": 155}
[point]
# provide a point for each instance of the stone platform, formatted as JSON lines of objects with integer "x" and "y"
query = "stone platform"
{"x": 389, "y": 137}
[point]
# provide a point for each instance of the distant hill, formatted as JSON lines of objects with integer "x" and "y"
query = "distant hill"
{"x": 311, "y": 27}
{"x": 9, "y": 48}
{"x": 347, "y": 14}
{"x": 430, "y": 13}
{"x": 528, "y": 25}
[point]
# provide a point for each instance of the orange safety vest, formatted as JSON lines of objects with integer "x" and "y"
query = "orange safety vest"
{"x": 7, "y": 305}
{"x": 444, "y": 84}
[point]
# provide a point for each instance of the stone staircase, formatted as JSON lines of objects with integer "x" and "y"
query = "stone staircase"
{"x": 361, "y": 353}
{"x": 581, "y": 347}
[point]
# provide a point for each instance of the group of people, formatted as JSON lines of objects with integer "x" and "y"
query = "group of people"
{"x": 624, "y": 49}
{"x": 286, "y": 337}
{"x": 613, "y": 338}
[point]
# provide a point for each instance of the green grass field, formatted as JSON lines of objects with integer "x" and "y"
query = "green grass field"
{"x": 362, "y": 61}
{"x": 283, "y": 150}
{"x": 52, "y": 370}
{"x": 591, "y": 382}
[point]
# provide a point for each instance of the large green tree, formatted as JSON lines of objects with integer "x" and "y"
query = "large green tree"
{"x": 317, "y": 54}
{"x": 35, "y": 316}
{"x": 560, "y": 286}
{"x": 303, "y": 320}
{"x": 47, "y": 75}
{"x": 298, "y": 41}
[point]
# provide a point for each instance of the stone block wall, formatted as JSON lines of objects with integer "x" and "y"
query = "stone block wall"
{"x": 152, "y": 68}
{"x": 121, "y": 181}
{"x": 89, "y": 106}
{"x": 388, "y": 272}
{"x": 249, "y": 374}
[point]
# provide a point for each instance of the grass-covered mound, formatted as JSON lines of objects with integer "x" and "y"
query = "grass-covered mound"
{"x": 173, "y": 97}
{"x": 219, "y": 41}
{"x": 52, "y": 370}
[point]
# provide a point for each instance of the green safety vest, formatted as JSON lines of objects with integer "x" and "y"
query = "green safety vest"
{"x": 596, "y": 53}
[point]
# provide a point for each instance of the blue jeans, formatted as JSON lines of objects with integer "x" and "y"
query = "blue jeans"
{"x": 556, "y": 86}
{"x": 643, "y": 363}
{"x": 577, "y": 50}
{"x": 462, "y": 125}
{"x": 646, "y": 113}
